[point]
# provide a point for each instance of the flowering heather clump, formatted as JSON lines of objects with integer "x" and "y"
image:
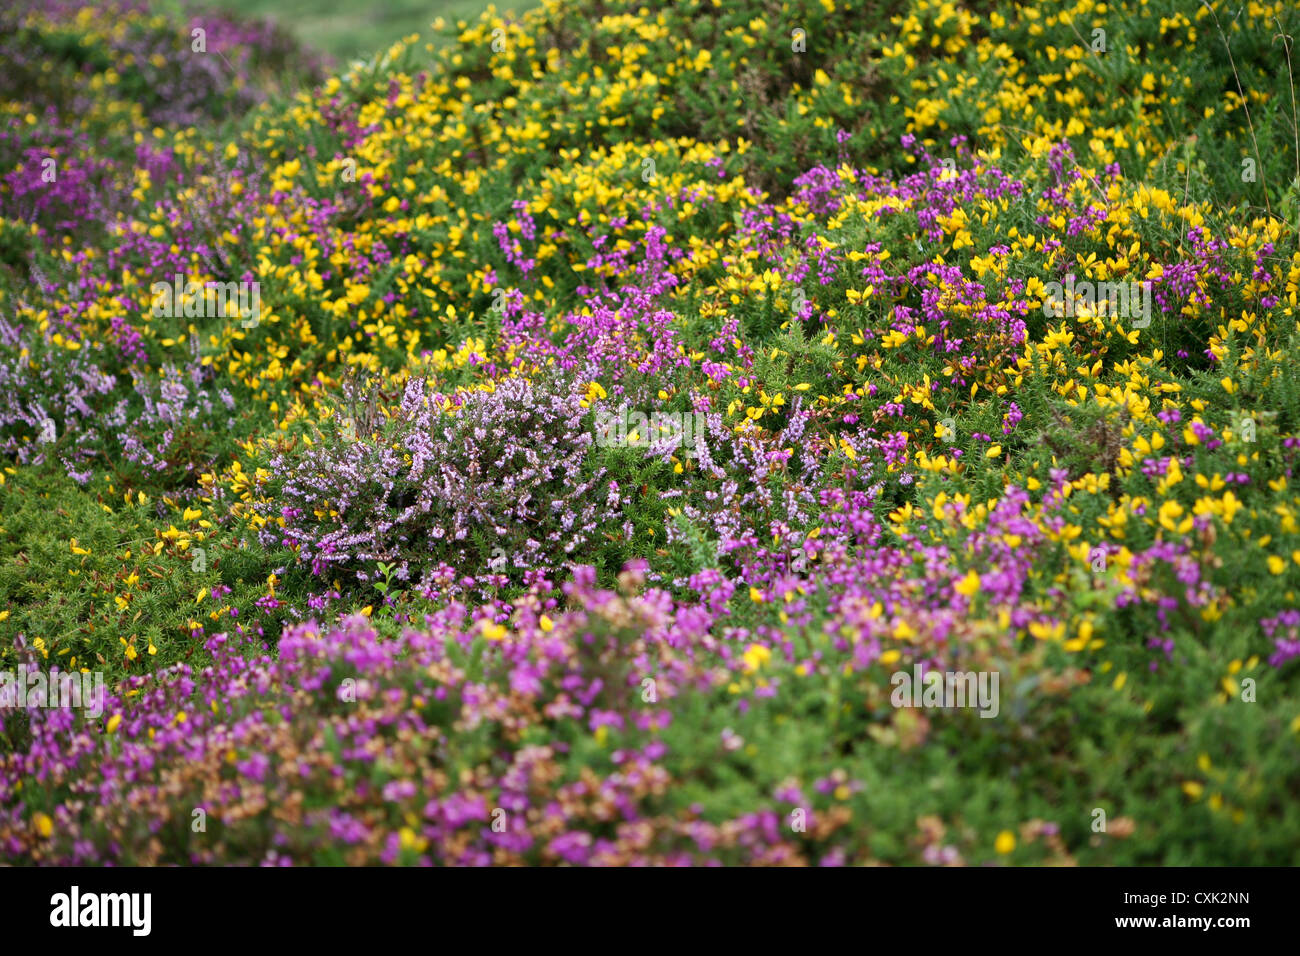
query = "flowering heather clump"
{"x": 986, "y": 337}
{"x": 424, "y": 749}
{"x": 494, "y": 482}
{"x": 62, "y": 405}
{"x": 82, "y": 189}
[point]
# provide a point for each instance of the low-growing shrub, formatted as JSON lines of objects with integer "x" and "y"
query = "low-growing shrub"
{"x": 487, "y": 481}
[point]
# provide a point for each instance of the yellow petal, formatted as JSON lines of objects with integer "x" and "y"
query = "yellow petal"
{"x": 968, "y": 585}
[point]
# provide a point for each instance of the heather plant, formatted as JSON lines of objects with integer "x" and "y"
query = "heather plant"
{"x": 756, "y": 497}
{"x": 599, "y": 733}
{"x": 484, "y": 481}
{"x": 47, "y": 394}
{"x": 54, "y": 179}
{"x": 60, "y": 404}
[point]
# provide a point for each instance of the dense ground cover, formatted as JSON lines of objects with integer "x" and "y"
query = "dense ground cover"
{"x": 373, "y": 574}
